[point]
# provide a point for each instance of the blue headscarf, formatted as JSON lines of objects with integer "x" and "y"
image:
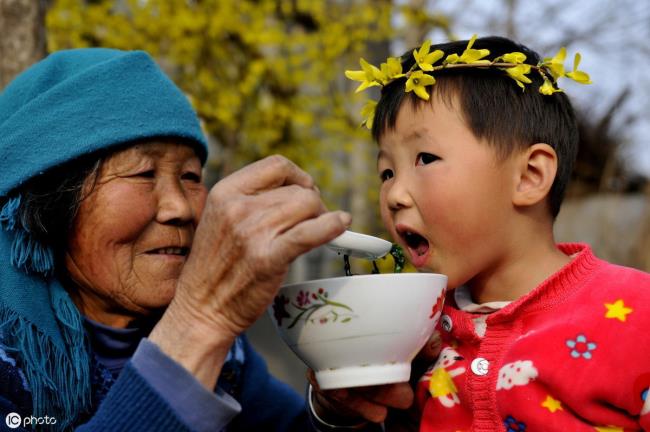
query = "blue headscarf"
{"x": 74, "y": 103}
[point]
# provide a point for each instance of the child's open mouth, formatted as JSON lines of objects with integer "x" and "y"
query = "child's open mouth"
{"x": 417, "y": 246}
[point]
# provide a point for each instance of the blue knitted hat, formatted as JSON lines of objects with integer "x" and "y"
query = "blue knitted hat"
{"x": 71, "y": 104}
{"x": 76, "y": 102}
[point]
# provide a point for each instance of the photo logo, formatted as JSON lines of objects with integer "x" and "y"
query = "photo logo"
{"x": 13, "y": 420}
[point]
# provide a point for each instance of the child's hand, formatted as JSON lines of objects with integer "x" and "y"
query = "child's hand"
{"x": 430, "y": 351}
{"x": 350, "y": 405}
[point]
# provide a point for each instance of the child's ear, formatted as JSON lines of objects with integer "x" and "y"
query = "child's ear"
{"x": 535, "y": 174}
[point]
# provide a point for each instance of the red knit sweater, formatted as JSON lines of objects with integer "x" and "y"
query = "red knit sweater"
{"x": 572, "y": 355}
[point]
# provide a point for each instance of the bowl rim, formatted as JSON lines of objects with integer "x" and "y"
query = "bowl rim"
{"x": 370, "y": 276}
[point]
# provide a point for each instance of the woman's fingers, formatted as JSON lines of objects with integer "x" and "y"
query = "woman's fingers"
{"x": 311, "y": 233}
{"x": 272, "y": 226}
{"x": 265, "y": 174}
{"x": 284, "y": 207}
{"x": 268, "y": 230}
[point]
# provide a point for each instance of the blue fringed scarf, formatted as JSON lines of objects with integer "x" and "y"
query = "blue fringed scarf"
{"x": 26, "y": 253}
{"x": 72, "y": 104}
{"x": 40, "y": 326}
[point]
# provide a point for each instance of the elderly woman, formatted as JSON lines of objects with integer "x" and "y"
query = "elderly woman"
{"x": 127, "y": 286}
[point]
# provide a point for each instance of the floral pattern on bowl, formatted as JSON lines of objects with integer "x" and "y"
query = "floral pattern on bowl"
{"x": 311, "y": 307}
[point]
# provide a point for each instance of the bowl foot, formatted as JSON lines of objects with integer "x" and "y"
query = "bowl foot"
{"x": 357, "y": 376}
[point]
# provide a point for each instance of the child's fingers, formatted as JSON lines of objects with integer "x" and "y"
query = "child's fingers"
{"x": 431, "y": 349}
{"x": 399, "y": 395}
{"x": 370, "y": 403}
{"x": 350, "y": 404}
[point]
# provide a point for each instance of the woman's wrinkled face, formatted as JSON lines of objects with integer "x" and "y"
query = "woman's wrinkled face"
{"x": 133, "y": 232}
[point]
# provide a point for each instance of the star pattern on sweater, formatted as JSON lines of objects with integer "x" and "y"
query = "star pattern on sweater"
{"x": 617, "y": 310}
{"x": 552, "y": 404}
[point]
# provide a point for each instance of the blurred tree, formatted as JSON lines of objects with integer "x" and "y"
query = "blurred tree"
{"x": 599, "y": 167}
{"x": 23, "y": 36}
{"x": 266, "y": 76}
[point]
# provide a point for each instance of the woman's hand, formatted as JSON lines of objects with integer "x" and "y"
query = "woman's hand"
{"x": 349, "y": 405}
{"x": 254, "y": 224}
{"x": 354, "y": 405}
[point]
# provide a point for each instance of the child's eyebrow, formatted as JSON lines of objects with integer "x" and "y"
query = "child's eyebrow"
{"x": 416, "y": 134}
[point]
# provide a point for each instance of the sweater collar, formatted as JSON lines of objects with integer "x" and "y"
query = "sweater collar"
{"x": 555, "y": 289}
{"x": 109, "y": 341}
{"x": 113, "y": 346}
{"x": 464, "y": 302}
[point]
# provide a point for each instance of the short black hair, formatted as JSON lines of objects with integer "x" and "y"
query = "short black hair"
{"x": 49, "y": 203}
{"x": 495, "y": 107}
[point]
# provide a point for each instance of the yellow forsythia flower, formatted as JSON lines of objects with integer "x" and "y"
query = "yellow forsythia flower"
{"x": 578, "y": 75}
{"x": 391, "y": 70}
{"x": 470, "y": 55}
{"x": 556, "y": 64}
{"x": 417, "y": 83}
{"x": 424, "y": 59}
{"x": 548, "y": 89}
{"x": 452, "y": 58}
{"x": 514, "y": 57}
{"x": 518, "y": 73}
{"x": 368, "y": 113}
{"x": 369, "y": 75}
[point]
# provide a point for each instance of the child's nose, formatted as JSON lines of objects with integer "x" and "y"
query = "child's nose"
{"x": 398, "y": 195}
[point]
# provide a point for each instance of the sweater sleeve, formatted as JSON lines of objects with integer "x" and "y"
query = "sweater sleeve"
{"x": 133, "y": 404}
{"x": 170, "y": 398}
{"x": 267, "y": 403}
{"x": 198, "y": 407}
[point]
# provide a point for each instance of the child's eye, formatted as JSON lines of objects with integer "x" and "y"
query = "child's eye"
{"x": 426, "y": 158}
{"x": 385, "y": 175}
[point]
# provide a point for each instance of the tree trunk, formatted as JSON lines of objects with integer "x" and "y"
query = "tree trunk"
{"x": 415, "y": 33}
{"x": 362, "y": 163}
{"x": 22, "y": 25}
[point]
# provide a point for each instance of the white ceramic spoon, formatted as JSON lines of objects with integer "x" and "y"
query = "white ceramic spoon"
{"x": 360, "y": 245}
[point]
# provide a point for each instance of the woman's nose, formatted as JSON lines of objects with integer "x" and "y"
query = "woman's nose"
{"x": 174, "y": 207}
{"x": 398, "y": 195}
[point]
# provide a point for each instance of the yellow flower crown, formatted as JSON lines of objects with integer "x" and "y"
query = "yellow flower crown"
{"x": 420, "y": 75}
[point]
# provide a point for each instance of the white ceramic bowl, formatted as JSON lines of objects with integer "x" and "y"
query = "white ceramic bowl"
{"x": 359, "y": 330}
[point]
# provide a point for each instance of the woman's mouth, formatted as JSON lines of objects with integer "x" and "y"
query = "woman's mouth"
{"x": 179, "y": 251}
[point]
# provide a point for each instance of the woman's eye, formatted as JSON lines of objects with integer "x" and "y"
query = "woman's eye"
{"x": 426, "y": 158}
{"x": 191, "y": 176}
{"x": 146, "y": 174}
{"x": 385, "y": 175}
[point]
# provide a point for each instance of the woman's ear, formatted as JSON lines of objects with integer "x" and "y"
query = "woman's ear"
{"x": 535, "y": 175}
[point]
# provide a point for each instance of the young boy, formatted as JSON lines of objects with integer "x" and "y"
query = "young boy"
{"x": 473, "y": 165}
